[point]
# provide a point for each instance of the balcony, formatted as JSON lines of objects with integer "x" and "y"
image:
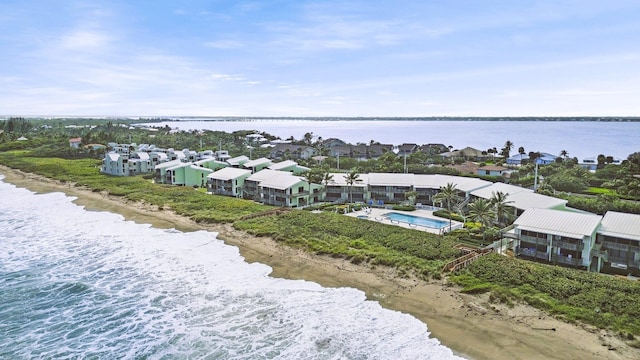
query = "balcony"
{"x": 568, "y": 245}
{"x": 615, "y": 246}
{"x": 566, "y": 260}
{"x": 223, "y": 192}
{"x": 534, "y": 240}
{"x": 532, "y": 253}
{"x": 598, "y": 252}
{"x": 625, "y": 261}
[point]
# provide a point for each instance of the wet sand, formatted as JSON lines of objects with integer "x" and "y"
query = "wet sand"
{"x": 469, "y": 325}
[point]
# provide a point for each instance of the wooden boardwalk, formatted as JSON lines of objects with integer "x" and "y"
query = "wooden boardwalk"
{"x": 463, "y": 261}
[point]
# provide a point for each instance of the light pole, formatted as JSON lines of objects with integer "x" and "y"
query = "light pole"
{"x": 405, "y": 163}
{"x": 535, "y": 179}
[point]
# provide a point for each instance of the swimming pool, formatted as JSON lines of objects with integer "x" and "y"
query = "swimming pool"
{"x": 416, "y": 220}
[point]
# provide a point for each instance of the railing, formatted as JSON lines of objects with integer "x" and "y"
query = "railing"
{"x": 615, "y": 246}
{"x": 566, "y": 260}
{"x": 603, "y": 254}
{"x": 568, "y": 245}
{"x": 534, "y": 240}
{"x": 624, "y": 260}
{"x": 532, "y": 253}
{"x": 464, "y": 260}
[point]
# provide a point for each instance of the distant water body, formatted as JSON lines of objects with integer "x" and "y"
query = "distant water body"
{"x": 77, "y": 284}
{"x": 580, "y": 138}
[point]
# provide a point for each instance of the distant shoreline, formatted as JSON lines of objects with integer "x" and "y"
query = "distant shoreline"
{"x": 336, "y": 118}
{"x": 439, "y": 118}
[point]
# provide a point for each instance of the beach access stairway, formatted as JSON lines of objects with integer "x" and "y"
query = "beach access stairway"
{"x": 463, "y": 261}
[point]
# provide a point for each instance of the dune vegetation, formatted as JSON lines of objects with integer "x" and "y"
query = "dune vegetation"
{"x": 602, "y": 301}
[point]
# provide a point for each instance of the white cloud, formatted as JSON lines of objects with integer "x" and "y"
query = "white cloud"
{"x": 84, "y": 39}
{"x": 225, "y": 44}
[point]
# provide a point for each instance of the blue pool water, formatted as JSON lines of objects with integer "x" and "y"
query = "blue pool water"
{"x": 417, "y": 220}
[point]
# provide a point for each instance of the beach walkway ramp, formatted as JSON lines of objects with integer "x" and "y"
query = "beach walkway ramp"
{"x": 463, "y": 261}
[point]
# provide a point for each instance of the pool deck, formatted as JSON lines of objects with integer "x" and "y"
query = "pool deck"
{"x": 377, "y": 214}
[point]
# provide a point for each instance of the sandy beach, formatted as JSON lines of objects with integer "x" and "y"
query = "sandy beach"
{"x": 469, "y": 325}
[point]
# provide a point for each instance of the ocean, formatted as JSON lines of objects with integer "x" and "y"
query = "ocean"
{"x": 78, "y": 284}
{"x": 581, "y": 139}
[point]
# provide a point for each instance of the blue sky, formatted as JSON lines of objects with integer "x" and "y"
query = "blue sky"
{"x": 320, "y": 58}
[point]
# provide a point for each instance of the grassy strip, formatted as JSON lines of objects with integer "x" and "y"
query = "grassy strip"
{"x": 356, "y": 239}
{"x": 603, "y": 301}
{"x": 599, "y": 191}
{"x": 607, "y": 302}
{"x": 326, "y": 233}
{"x": 185, "y": 201}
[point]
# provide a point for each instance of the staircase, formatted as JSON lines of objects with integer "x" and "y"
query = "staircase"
{"x": 463, "y": 261}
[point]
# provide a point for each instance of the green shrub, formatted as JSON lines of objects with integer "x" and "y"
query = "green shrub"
{"x": 404, "y": 207}
{"x": 576, "y": 295}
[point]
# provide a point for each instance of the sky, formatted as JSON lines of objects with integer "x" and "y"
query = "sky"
{"x": 320, "y": 58}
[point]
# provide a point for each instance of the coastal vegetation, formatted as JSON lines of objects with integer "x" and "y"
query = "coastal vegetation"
{"x": 603, "y": 301}
{"x": 358, "y": 240}
{"x": 182, "y": 200}
{"x": 610, "y": 187}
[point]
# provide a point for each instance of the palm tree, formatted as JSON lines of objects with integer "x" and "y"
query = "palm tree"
{"x": 521, "y": 152}
{"x": 482, "y": 211}
{"x": 506, "y": 150}
{"x": 564, "y": 154}
{"x": 449, "y": 195}
{"x": 326, "y": 179}
{"x": 411, "y": 196}
{"x": 312, "y": 176}
{"x": 308, "y": 176}
{"x": 308, "y": 138}
{"x": 533, "y": 156}
{"x": 500, "y": 204}
{"x": 351, "y": 178}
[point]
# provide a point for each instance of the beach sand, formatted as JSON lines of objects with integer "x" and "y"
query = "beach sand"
{"x": 469, "y": 325}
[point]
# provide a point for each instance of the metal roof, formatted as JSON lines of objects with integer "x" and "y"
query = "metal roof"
{"x": 390, "y": 179}
{"x": 283, "y": 165}
{"x": 555, "y": 222}
{"x": 200, "y": 168}
{"x": 228, "y": 173}
{"x": 142, "y": 155}
{"x": 168, "y": 164}
{"x": 281, "y": 181}
{"x": 527, "y": 200}
{"x": 238, "y": 160}
{"x": 437, "y": 181}
{"x": 487, "y": 192}
{"x": 263, "y": 174}
{"x": 621, "y": 225}
{"x": 340, "y": 179}
{"x": 256, "y": 162}
{"x": 209, "y": 161}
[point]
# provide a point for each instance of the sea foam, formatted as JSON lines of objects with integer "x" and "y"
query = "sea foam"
{"x": 86, "y": 284}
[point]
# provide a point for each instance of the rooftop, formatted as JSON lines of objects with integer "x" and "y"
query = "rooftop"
{"x": 563, "y": 223}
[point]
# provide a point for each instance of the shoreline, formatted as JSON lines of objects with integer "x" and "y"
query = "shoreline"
{"x": 469, "y": 325}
